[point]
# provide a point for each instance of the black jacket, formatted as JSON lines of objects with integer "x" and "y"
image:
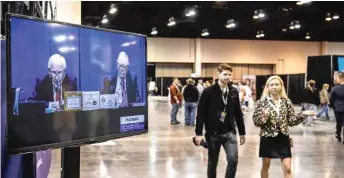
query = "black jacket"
{"x": 131, "y": 85}
{"x": 44, "y": 88}
{"x": 337, "y": 98}
{"x": 208, "y": 110}
{"x": 311, "y": 97}
{"x": 190, "y": 93}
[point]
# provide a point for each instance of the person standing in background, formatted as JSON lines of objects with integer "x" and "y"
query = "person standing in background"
{"x": 324, "y": 101}
{"x": 200, "y": 87}
{"x": 310, "y": 100}
{"x": 337, "y": 102}
{"x": 176, "y": 99}
{"x": 190, "y": 95}
{"x": 247, "y": 96}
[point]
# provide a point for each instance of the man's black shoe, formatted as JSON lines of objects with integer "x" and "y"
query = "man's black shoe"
{"x": 338, "y": 138}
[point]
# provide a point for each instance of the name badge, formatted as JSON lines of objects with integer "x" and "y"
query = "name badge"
{"x": 223, "y": 116}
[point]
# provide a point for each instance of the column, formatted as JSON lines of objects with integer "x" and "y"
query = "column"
{"x": 198, "y": 57}
{"x": 324, "y": 48}
{"x": 68, "y": 11}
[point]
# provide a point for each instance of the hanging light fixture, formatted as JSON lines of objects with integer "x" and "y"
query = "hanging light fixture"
{"x": 105, "y": 19}
{"x": 262, "y": 34}
{"x": 205, "y": 32}
{"x": 261, "y": 14}
{"x": 307, "y": 36}
{"x": 113, "y": 9}
{"x": 171, "y": 22}
{"x": 255, "y": 15}
{"x": 154, "y": 31}
{"x": 230, "y": 23}
{"x": 297, "y": 24}
{"x": 328, "y": 17}
{"x": 335, "y": 16}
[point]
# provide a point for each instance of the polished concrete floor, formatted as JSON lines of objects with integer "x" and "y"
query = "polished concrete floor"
{"x": 168, "y": 152}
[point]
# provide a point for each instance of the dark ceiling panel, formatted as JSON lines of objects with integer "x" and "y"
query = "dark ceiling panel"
{"x": 141, "y": 17}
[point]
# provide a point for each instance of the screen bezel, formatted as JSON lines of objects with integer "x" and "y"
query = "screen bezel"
{"x": 74, "y": 143}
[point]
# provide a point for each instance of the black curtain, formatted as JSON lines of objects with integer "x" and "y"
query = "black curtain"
{"x": 296, "y": 86}
{"x": 319, "y": 69}
{"x": 260, "y": 84}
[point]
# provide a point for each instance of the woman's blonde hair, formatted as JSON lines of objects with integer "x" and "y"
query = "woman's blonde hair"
{"x": 266, "y": 92}
{"x": 325, "y": 85}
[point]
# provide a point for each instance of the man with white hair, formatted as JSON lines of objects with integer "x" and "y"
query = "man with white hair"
{"x": 123, "y": 84}
{"x": 51, "y": 88}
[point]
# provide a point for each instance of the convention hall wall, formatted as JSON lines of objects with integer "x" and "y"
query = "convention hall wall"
{"x": 284, "y": 57}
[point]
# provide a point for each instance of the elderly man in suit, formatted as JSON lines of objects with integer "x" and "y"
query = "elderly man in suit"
{"x": 123, "y": 84}
{"x": 51, "y": 88}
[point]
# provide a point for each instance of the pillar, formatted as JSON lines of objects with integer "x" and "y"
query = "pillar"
{"x": 68, "y": 11}
{"x": 324, "y": 48}
{"x": 198, "y": 57}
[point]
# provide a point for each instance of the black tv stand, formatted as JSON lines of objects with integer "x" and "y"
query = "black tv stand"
{"x": 70, "y": 162}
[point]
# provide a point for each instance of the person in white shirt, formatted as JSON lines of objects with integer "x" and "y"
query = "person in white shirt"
{"x": 248, "y": 94}
{"x": 200, "y": 88}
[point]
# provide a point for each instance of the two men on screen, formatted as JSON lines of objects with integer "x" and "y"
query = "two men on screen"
{"x": 123, "y": 84}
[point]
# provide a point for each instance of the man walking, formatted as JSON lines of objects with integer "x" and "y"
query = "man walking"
{"x": 219, "y": 110}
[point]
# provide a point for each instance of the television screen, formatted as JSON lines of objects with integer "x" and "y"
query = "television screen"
{"x": 73, "y": 85}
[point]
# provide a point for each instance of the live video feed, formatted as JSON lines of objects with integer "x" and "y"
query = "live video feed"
{"x": 68, "y": 68}
{"x": 72, "y": 83}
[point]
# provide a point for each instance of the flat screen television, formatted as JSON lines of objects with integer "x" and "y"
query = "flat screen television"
{"x": 72, "y": 85}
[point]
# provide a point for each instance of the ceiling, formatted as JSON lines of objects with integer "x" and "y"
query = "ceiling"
{"x": 141, "y": 17}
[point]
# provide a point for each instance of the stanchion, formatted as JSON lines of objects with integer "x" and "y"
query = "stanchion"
{"x": 28, "y": 165}
{"x": 70, "y": 160}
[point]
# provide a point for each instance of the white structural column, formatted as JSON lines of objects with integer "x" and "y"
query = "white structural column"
{"x": 324, "y": 48}
{"x": 68, "y": 11}
{"x": 198, "y": 57}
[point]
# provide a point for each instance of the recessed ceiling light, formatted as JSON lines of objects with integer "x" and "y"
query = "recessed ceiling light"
{"x": 284, "y": 29}
{"x": 292, "y": 27}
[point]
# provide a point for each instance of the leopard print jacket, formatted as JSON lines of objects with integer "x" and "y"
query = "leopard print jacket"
{"x": 286, "y": 118}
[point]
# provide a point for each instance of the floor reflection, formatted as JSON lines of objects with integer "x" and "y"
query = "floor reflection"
{"x": 167, "y": 151}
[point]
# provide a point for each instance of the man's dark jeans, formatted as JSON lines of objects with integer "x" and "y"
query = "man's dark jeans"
{"x": 230, "y": 144}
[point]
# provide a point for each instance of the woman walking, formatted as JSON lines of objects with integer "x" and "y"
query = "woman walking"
{"x": 274, "y": 114}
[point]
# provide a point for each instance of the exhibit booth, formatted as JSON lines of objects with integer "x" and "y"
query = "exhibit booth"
{"x": 65, "y": 86}
{"x": 322, "y": 69}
